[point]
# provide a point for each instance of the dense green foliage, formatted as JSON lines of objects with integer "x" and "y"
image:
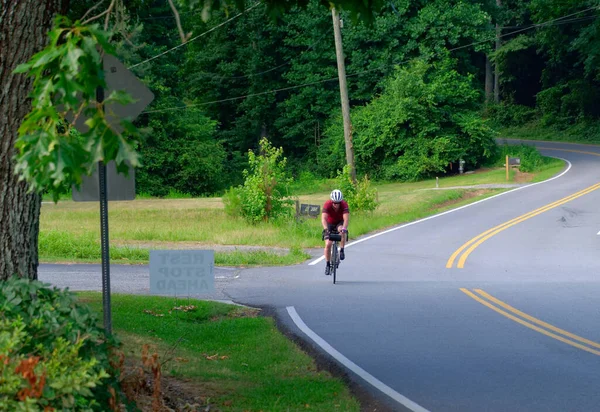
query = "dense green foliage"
{"x": 424, "y": 120}
{"x": 416, "y": 75}
{"x": 53, "y": 352}
{"x": 550, "y": 73}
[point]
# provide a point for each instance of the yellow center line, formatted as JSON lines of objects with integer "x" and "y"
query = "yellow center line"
{"x": 535, "y": 320}
{"x": 465, "y": 255}
{"x": 529, "y": 325}
{"x": 491, "y": 232}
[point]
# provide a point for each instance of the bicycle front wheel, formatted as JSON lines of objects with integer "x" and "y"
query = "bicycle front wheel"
{"x": 334, "y": 260}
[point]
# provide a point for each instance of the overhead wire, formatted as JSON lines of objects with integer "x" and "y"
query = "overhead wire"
{"x": 196, "y": 37}
{"x": 545, "y": 24}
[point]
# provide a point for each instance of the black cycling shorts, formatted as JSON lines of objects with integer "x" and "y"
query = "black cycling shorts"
{"x": 334, "y": 226}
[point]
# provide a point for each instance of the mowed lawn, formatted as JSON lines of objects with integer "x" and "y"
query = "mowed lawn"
{"x": 70, "y": 231}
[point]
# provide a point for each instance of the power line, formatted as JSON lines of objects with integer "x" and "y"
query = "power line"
{"x": 575, "y": 20}
{"x": 285, "y": 63}
{"x": 195, "y": 38}
{"x": 545, "y": 24}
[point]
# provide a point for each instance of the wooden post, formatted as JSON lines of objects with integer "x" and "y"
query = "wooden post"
{"x": 506, "y": 167}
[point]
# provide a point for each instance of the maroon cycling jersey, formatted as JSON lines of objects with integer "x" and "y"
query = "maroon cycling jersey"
{"x": 335, "y": 215}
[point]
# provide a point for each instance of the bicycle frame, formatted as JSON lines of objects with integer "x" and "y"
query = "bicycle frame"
{"x": 334, "y": 260}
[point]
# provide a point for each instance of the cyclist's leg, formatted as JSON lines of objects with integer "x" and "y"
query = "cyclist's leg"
{"x": 327, "y": 251}
{"x": 339, "y": 229}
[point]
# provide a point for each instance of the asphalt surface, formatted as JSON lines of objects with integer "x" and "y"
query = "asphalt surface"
{"x": 515, "y": 329}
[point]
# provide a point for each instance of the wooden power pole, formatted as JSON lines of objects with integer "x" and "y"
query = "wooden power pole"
{"x": 339, "y": 51}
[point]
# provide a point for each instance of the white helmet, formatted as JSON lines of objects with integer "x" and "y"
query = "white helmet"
{"x": 336, "y": 196}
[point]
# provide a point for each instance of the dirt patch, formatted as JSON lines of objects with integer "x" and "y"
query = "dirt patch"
{"x": 522, "y": 177}
{"x": 466, "y": 195}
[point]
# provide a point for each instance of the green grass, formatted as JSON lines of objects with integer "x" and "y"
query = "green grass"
{"x": 63, "y": 246}
{"x": 256, "y": 367}
{"x": 69, "y": 231}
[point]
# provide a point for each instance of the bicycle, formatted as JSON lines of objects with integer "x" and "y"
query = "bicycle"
{"x": 334, "y": 259}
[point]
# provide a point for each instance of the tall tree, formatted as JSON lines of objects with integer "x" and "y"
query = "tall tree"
{"x": 23, "y": 28}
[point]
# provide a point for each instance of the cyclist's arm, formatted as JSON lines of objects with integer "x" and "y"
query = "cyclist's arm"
{"x": 324, "y": 220}
{"x": 346, "y": 220}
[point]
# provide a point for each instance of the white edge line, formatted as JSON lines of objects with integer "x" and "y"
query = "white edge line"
{"x": 314, "y": 262}
{"x": 403, "y": 400}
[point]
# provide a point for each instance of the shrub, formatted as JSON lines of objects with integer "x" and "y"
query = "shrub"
{"x": 263, "y": 195}
{"x": 54, "y": 354}
{"x": 506, "y": 114}
{"x": 360, "y": 195}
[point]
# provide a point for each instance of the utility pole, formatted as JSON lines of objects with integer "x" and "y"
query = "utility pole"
{"x": 496, "y": 67}
{"x": 339, "y": 51}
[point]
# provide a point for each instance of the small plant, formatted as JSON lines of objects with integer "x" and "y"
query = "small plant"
{"x": 263, "y": 194}
{"x": 232, "y": 200}
{"x": 360, "y": 195}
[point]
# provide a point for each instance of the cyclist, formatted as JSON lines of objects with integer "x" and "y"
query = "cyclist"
{"x": 335, "y": 216}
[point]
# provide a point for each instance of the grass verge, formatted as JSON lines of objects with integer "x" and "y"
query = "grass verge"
{"x": 69, "y": 231}
{"x": 229, "y": 357}
{"x": 584, "y": 133}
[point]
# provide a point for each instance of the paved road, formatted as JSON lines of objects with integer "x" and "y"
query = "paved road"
{"x": 492, "y": 307}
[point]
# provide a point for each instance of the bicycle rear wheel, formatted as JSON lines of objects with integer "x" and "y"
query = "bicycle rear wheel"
{"x": 334, "y": 260}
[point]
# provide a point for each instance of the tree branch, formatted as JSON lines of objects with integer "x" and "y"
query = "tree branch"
{"x": 184, "y": 37}
{"x": 112, "y": 4}
{"x": 105, "y": 12}
{"x": 92, "y": 9}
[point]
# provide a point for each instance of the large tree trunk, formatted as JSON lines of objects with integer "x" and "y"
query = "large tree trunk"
{"x": 489, "y": 81}
{"x": 23, "y": 32}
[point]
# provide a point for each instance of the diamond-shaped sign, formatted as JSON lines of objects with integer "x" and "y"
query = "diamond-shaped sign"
{"x": 118, "y": 77}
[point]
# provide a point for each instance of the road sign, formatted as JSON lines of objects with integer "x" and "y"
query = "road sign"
{"x": 119, "y": 186}
{"x": 118, "y": 77}
{"x": 182, "y": 272}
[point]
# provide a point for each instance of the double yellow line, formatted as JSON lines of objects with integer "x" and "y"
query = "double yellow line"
{"x": 472, "y": 244}
{"x": 532, "y": 323}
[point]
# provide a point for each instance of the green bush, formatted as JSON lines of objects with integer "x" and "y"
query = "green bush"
{"x": 54, "y": 354}
{"x": 426, "y": 118}
{"x": 568, "y": 103}
{"x": 360, "y": 195}
{"x": 264, "y": 194}
{"x": 506, "y": 114}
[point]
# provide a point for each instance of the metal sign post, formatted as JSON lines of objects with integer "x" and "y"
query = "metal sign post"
{"x": 104, "y": 236}
{"x": 109, "y": 185}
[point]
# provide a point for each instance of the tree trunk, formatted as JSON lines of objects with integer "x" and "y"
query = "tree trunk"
{"x": 23, "y": 32}
{"x": 489, "y": 81}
